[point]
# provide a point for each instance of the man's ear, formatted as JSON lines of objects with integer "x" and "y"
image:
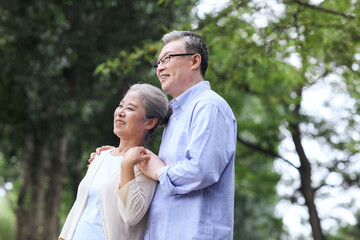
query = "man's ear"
{"x": 151, "y": 123}
{"x": 196, "y": 60}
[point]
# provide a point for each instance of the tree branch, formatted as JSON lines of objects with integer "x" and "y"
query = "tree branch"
{"x": 264, "y": 151}
{"x": 308, "y": 5}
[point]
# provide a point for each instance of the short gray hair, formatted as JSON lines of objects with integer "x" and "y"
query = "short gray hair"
{"x": 156, "y": 105}
{"x": 193, "y": 44}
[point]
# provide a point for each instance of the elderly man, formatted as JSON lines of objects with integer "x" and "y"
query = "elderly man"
{"x": 195, "y": 165}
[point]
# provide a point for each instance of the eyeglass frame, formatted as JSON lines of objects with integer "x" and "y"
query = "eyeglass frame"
{"x": 156, "y": 63}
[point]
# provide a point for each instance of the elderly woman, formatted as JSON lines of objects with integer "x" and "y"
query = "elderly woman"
{"x": 113, "y": 198}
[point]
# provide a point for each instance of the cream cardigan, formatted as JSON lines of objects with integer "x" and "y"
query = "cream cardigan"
{"x": 123, "y": 211}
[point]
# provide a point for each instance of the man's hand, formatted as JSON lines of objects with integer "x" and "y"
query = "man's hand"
{"x": 152, "y": 166}
{"x": 98, "y": 151}
{"x": 135, "y": 155}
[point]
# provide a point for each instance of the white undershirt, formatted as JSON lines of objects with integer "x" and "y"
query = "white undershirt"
{"x": 90, "y": 224}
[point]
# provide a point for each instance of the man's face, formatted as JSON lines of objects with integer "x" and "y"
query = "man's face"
{"x": 175, "y": 74}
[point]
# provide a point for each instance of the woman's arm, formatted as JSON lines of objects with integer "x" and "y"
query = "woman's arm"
{"x": 135, "y": 197}
{"x": 131, "y": 157}
{"x": 135, "y": 189}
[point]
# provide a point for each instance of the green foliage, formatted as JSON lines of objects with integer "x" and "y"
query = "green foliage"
{"x": 50, "y": 84}
{"x": 7, "y": 220}
{"x": 248, "y": 67}
{"x": 350, "y": 232}
{"x": 257, "y": 84}
{"x": 66, "y": 64}
{"x": 253, "y": 218}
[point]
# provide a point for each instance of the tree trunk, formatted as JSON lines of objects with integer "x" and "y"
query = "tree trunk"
{"x": 22, "y": 209}
{"x": 53, "y": 191}
{"x": 41, "y": 184}
{"x": 306, "y": 188}
{"x": 29, "y": 213}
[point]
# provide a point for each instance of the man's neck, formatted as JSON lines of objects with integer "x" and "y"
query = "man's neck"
{"x": 189, "y": 85}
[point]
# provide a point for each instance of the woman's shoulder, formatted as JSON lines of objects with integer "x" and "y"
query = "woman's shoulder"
{"x": 104, "y": 153}
{"x": 101, "y": 156}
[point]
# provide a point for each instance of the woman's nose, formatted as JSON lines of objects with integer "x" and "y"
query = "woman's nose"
{"x": 120, "y": 112}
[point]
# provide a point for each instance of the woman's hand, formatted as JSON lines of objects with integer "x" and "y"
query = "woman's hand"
{"x": 135, "y": 155}
{"x": 131, "y": 157}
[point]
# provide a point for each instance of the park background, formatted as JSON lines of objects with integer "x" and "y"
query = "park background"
{"x": 289, "y": 69}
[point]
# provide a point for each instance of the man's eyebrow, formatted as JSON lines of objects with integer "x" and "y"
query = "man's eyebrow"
{"x": 165, "y": 54}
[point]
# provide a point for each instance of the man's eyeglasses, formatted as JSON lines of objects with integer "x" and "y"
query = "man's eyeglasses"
{"x": 166, "y": 59}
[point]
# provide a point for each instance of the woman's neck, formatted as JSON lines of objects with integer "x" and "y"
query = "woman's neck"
{"x": 126, "y": 145}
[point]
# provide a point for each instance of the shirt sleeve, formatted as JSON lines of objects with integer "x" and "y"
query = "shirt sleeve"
{"x": 135, "y": 198}
{"x": 209, "y": 149}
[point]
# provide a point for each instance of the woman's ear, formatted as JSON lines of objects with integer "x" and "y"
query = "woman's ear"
{"x": 151, "y": 123}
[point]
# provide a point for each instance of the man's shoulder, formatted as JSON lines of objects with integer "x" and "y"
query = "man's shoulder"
{"x": 211, "y": 97}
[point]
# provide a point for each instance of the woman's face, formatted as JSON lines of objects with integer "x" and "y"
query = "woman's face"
{"x": 129, "y": 118}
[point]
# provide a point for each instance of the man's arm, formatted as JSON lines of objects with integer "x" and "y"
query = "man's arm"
{"x": 211, "y": 146}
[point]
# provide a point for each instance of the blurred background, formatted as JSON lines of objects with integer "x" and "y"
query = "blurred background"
{"x": 289, "y": 69}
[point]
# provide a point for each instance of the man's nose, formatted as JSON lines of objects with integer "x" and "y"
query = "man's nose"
{"x": 160, "y": 67}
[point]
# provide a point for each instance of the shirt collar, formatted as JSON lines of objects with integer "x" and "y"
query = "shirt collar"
{"x": 186, "y": 97}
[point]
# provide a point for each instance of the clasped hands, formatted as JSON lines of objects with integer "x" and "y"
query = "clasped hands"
{"x": 148, "y": 162}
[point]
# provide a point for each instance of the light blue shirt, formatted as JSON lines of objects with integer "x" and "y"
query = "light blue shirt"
{"x": 90, "y": 224}
{"x": 195, "y": 195}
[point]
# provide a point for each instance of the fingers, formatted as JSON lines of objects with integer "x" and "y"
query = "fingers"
{"x": 143, "y": 151}
{"x": 107, "y": 147}
{"x": 142, "y": 165}
{"x": 98, "y": 150}
{"x": 136, "y": 155}
{"x": 145, "y": 157}
{"x": 142, "y": 159}
{"x": 103, "y": 148}
{"x": 138, "y": 149}
{"x": 92, "y": 156}
{"x": 151, "y": 153}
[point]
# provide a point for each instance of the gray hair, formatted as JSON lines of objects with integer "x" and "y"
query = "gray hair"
{"x": 156, "y": 105}
{"x": 193, "y": 44}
